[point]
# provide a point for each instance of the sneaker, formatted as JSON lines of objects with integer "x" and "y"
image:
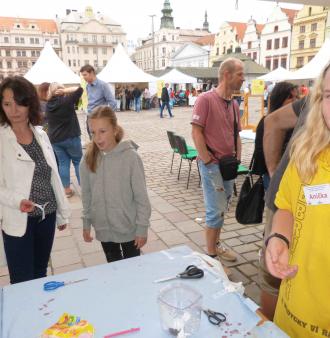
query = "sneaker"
{"x": 226, "y": 254}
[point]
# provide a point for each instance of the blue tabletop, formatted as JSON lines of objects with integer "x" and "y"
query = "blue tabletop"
{"x": 119, "y": 296}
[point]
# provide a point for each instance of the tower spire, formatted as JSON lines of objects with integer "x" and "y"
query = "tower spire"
{"x": 166, "y": 20}
{"x": 206, "y": 24}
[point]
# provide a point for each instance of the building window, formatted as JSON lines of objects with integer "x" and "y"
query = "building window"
{"x": 33, "y": 53}
{"x": 74, "y": 63}
{"x": 36, "y": 41}
{"x": 25, "y": 64}
{"x": 8, "y": 64}
{"x": 276, "y": 43}
{"x": 276, "y": 29}
{"x": 68, "y": 49}
{"x": 77, "y": 50}
{"x": 94, "y": 50}
{"x": 223, "y": 50}
{"x": 217, "y": 53}
{"x": 269, "y": 44}
{"x": 19, "y": 64}
{"x": 254, "y": 56}
{"x": 309, "y": 11}
{"x": 300, "y": 61}
{"x": 275, "y": 63}
{"x": 7, "y": 52}
{"x": 312, "y": 43}
{"x": 268, "y": 64}
{"x": 31, "y": 41}
{"x": 164, "y": 50}
{"x": 85, "y": 38}
{"x": 104, "y": 38}
{"x": 314, "y": 27}
{"x": 23, "y": 53}
{"x": 164, "y": 37}
{"x": 163, "y": 62}
{"x": 285, "y": 42}
{"x": 302, "y": 29}
{"x": 104, "y": 51}
{"x": 55, "y": 42}
{"x": 249, "y": 45}
{"x": 283, "y": 62}
{"x": 236, "y": 37}
{"x": 16, "y": 40}
{"x": 310, "y": 57}
{"x": 85, "y": 50}
{"x": 69, "y": 63}
{"x": 104, "y": 63}
{"x": 38, "y": 53}
{"x": 301, "y": 44}
{"x": 94, "y": 38}
{"x": 113, "y": 50}
{"x": 6, "y": 39}
{"x": 172, "y": 37}
{"x": 22, "y": 40}
{"x": 86, "y": 62}
{"x": 18, "y": 53}
{"x": 73, "y": 49}
{"x": 95, "y": 64}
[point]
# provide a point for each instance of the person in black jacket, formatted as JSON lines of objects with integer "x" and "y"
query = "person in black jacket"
{"x": 165, "y": 101}
{"x": 64, "y": 130}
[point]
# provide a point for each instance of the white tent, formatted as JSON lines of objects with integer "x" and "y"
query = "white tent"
{"x": 121, "y": 69}
{"x": 50, "y": 68}
{"x": 279, "y": 74}
{"x": 175, "y": 76}
{"x": 314, "y": 67}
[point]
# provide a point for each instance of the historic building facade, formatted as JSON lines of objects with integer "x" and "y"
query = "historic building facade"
{"x": 89, "y": 38}
{"x": 156, "y": 51}
{"x": 308, "y": 34}
{"x": 275, "y": 40}
{"x": 21, "y": 41}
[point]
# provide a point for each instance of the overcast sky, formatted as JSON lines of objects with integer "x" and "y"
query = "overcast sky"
{"x": 133, "y": 15}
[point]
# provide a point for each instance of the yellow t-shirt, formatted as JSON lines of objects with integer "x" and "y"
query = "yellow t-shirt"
{"x": 303, "y": 308}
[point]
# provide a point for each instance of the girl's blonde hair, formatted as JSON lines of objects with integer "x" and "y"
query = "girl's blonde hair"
{"x": 314, "y": 137}
{"x": 92, "y": 152}
{"x": 53, "y": 88}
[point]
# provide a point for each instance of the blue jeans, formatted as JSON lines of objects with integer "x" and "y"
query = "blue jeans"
{"x": 137, "y": 101}
{"x": 167, "y": 104}
{"x": 28, "y": 256}
{"x": 67, "y": 151}
{"x": 217, "y": 194}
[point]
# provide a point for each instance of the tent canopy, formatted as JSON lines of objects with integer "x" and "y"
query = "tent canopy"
{"x": 314, "y": 67}
{"x": 175, "y": 76}
{"x": 121, "y": 69}
{"x": 50, "y": 68}
{"x": 279, "y": 74}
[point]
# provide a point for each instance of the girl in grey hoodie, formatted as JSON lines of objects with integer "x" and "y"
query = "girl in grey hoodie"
{"x": 113, "y": 187}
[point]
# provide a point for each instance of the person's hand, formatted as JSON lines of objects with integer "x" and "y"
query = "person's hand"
{"x": 139, "y": 242}
{"x": 87, "y": 235}
{"x": 59, "y": 92}
{"x": 277, "y": 259}
{"x": 61, "y": 227}
{"x": 26, "y": 206}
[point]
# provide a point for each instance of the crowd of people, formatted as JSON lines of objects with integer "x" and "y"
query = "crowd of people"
{"x": 40, "y": 138}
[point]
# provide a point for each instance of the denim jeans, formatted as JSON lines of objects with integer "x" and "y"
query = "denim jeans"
{"x": 217, "y": 194}
{"x": 167, "y": 104}
{"x": 28, "y": 256}
{"x": 137, "y": 101}
{"x": 67, "y": 151}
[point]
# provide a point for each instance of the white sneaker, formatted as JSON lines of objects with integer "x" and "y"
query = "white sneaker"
{"x": 226, "y": 254}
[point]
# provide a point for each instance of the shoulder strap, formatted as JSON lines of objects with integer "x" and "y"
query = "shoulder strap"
{"x": 235, "y": 127}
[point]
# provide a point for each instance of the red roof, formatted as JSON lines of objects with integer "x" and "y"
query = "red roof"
{"x": 259, "y": 27}
{"x": 207, "y": 40}
{"x": 290, "y": 13}
{"x": 240, "y": 28}
{"x": 45, "y": 25}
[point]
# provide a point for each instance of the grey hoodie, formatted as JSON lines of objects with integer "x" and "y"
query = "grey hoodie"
{"x": 115, "y": 199}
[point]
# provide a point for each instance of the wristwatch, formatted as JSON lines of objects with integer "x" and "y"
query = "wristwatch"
{"x": 280, "y": 236}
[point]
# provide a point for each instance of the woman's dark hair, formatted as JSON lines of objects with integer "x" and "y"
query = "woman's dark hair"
{"x": 25, "y": 95}
{"x": 281, "y": 92}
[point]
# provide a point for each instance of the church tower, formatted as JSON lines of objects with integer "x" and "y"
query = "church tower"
{"x": 166, "y": 20}
{"x": 206, "y": 24}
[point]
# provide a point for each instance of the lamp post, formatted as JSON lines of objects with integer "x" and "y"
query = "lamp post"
{"x": 153, "y": 41}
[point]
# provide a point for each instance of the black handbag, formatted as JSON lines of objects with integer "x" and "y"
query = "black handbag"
{"x": 228, "y": 167}
{"x": 251, "y": 202}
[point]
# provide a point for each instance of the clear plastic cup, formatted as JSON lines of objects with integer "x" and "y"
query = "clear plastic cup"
{"x": 180, "y": 309}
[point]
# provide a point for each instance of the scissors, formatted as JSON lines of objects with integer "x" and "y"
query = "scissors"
{"x": 215, "y": 318}
{"x": 53, "y": 285}
{"x": 191, "y": 272}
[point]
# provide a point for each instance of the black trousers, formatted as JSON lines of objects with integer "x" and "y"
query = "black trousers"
{"x": 117, "y": 251}
{"x": 28, "y": 256}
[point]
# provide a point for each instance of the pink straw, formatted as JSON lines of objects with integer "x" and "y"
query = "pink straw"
{"x": 119, "y": 333}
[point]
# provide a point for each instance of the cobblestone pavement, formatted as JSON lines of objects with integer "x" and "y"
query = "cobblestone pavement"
{"x": 177, "y": 213}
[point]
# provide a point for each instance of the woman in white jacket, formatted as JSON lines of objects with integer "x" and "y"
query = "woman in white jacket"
{"x": 32, "y": 200}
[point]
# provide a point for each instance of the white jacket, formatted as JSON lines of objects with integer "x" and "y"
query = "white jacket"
{"x": 16, "y": 174}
